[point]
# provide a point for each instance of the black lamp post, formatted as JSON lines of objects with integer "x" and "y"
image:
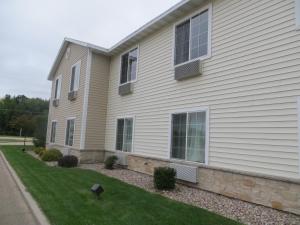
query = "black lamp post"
{"x": 97, "y": 190}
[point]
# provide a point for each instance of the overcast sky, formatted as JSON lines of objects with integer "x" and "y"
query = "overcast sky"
{"x": 31, "y": 32}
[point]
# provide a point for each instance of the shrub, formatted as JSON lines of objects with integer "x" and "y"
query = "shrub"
{"x": 38, "y": 150}
{"x": 41, "y": 153}
{"x": 110, "y": 162}
{"x": 68, "y": 161}
{"x": 51, "y": 155}
{"x": 164, "y": 178}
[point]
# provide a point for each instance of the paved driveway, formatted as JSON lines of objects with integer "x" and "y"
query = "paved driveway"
{"x": 13, "y": 207}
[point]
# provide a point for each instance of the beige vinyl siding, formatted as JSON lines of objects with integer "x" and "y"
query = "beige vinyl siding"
{"x": 68, "y": 108}
{"x": 96, "y": 116}
{"x": 250, "y": 85}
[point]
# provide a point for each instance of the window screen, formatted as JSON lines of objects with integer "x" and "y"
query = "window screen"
{"x": 129, "y": 66}
{"x": 188, "y": 136}
{"x": 199, "y": 35}
{"x": 182, "y": 42}
{"x": 70, "y": 132}
{"x": 124, "y": 134}
{"x": 75, "y": 76}
{"x": 191, "y": 38}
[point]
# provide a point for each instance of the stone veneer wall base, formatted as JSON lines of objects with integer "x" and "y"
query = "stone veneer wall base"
{"x": 84, "y": 156}
{"x": 275, "y": 192}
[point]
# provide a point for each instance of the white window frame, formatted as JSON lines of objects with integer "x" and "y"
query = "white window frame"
{"x": 189, "y": 17}
{"x": 298, "y": 109}
{"x": 66, "y": 125}
{"x": 59, "y": 78}
{"x": 297, "y": 14}
{"x": 77, "y": 78}
{"x": 53, "y": 121}
{"x": 133, "y": 131}
{"x": 206, "y": 151}
{"x": 137, "y": 65}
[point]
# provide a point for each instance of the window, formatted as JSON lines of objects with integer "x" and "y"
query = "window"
{"x": 57, "y": 88}
{"x": 189, "y": 133}
{"x": 75, "y": 75}
{"x": 70, "y": 132}
{"x": 124, "y": 134}
{"x": 53, "y": 132}
{"x": 129, "y": 66}
{"x": 297, "y": 11}
{"x": 191, "y": 38}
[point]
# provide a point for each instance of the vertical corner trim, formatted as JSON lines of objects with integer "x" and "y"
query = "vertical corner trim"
{"x": 298, "y": 110}
{"x": 86, "y": 99}
{"x": 297, "y": 14}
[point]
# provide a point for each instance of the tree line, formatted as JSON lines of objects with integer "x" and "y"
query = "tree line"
{"x": 24, "y": 116}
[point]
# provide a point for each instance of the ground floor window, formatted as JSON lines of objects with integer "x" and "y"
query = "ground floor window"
{"x": 53, "y": 132}
{"x": 189, "y": 131}
{"x": 70, "y": 132}
{"x": 124, "y": 134}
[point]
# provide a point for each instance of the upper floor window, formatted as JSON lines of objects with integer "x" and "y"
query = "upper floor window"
{"x": 124, "y": 134}
{"x": 129, "y": 66}
{"x": 70, "y": 132}
{"x": 53, "y": 132}
{"x": 189, "y": 136}
{"x": 192, "y": 38}
{"x": 57, "y": 88}
{"x": 75, "y": 76}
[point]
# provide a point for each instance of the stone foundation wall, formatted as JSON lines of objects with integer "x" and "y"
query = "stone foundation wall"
{"x": 84, "y": 156}
{"x": 275, "y": 192}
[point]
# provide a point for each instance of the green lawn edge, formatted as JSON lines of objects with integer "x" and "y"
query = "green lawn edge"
{"x": 64, "y": 196}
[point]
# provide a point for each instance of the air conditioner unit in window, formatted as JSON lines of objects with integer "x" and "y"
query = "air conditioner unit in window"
{"x": 125, "y": 89}
{"x": 55, "y": 102}
{"x": 185, "y": 173}
{"x": 122, "y": 158}
{"x": 72, "y": 95}
{"x": 188, "y": 70}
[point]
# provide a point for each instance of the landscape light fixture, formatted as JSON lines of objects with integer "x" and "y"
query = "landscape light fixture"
{"x": 97, "y": 189}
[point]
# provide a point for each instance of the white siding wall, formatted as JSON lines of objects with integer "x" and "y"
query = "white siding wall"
{"x": 68, "y": 108}
{"x": 250, "y": 85}
{"x": 96, "y": 116}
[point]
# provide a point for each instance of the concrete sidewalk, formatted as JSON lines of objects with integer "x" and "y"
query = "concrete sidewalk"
{"x": 14, "y": 210}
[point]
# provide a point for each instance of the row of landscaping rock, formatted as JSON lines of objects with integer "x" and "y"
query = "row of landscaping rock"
{"x": 245, "y": 212}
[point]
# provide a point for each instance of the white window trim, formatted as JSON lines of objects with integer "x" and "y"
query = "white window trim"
{"x": 298, "y": 107}
{"x": 78, "y": 63}
{"x": 86, "y": 100}
{"x": 297, "y": 14}
{"x": 201, "y": 58}
{"x": 133, "y": 131}
{"x": 59, "y": 78}
{"x": 137, "y": 65}
{"x": 53, "y": 121}
{"x": 66, "y": 127}
{"x": 190, "y": 110}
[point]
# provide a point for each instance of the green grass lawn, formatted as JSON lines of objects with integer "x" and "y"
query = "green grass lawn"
{"x": 64, "y": 195}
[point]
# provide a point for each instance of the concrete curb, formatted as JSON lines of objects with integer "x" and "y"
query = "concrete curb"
{"x": 36, "y": 211}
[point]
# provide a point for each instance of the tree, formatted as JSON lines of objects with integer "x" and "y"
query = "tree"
{"x": 18, "y": 112}
{"x": 39, "y": 136}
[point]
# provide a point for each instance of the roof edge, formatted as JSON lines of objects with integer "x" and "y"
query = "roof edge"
{"x": 151, "y": 22}
{"x": 63, "y": 47}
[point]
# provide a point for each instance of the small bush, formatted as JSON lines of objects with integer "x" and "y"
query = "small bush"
{"x": 164, "y": 178}
{"x": 68, "y": 161}
{"x": 42, "y": 152}
{"x": 38, "y": 150}
{"x": 51, "y": 155}
{"x": 110, "y": 162}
